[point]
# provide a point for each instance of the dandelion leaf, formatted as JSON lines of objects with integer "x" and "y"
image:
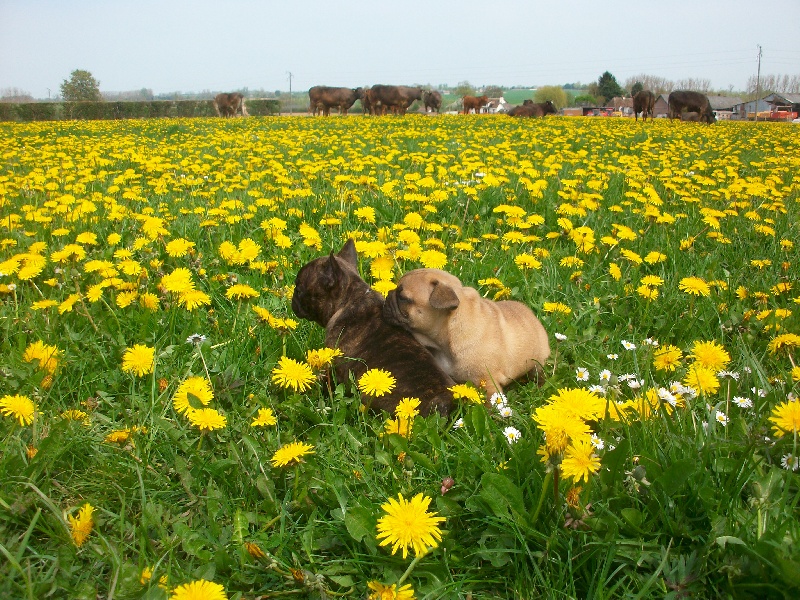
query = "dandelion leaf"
{"x": 676, "y": 475}
{"x": 502, "y": 496}
{"x": 360, "y": 523}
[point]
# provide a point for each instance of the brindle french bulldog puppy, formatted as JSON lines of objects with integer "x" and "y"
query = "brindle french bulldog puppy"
{"x": 471, "y": 337}
{"x": 330, "y": 292}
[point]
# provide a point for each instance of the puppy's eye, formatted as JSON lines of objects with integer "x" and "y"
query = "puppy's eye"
{"x": 403, "y": 300}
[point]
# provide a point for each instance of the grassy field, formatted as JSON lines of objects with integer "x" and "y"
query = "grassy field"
{"x": 164, "y": 433}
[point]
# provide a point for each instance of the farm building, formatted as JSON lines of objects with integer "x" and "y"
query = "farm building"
{"x": 747, "y": 110}
{"x": 661, "y": 107}
{"x": 622, "y": 105}
{"x": 783, "y": 106}
{"x": 723, "y": 106}
{"x": 496, "y": 105}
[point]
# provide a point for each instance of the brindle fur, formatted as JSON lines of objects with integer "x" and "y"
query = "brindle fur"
{"x": 330, "y": 292}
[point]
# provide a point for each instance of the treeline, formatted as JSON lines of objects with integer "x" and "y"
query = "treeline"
{"x": 66, "y": 111}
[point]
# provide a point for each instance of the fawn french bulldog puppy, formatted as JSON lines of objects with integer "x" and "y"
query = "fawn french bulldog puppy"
{"x": 472, "y": 338}
{"x": 330, "y": 292}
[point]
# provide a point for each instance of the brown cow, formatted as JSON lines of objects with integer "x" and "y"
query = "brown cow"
{"x": 432, "y": 100}
{"x": 474, "y": 103}
{"x": 684, "y": 100}
{"x": 322, "y": 97}
{"x": 643, "y": 102}
{"x": 533, "y": 109}
{"x": 228, "y": 105}
{"x": 367, "y": 102}
{"x": 396, "y": 98}
{"x": 690, "y": 116}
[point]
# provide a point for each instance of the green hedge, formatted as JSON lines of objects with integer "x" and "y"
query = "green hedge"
{"x": 58, "y": 111}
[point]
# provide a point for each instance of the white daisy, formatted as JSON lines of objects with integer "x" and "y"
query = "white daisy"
{"x": 742, "y": 402}
{"x": 512, "y": 434}
{"x": 582, "y": 374}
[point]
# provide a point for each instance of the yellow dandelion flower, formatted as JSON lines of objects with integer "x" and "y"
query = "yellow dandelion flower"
{"x": 18, "y": 407}
{"x": 81, "y": 527}
{"x": 179, "y": 281}
{"x": 241, "y": 291}
{"x": 293, "y": 374}
{"x": 462, "y": 391}
{"x": 399, "y": 426}
{"x": 47, "y": 355}
{"x": 526, "y": 261}
{"x": 74, "y": 414}
{"x": 199, "y": 590}
{"x": 291, "y": 453}
{"x": 694, "y": 286}
{"x": 390, "y": 592}
{"x": 376, "y": 382}
{"x": 191, "y": 394}
{"x": 265, "y": 418}
{"x": 580, "y": 461}
{"x": 179, "y": 247}
{"x": 408, "y": 524}
{"x": 702, "y": 379}
{"x": 207, "y": 419}
{"x": 667, "y": 358}
{"x": 556, "y": 307}
{"x": 191, "y": 299}
{"x": 433, "y": 259}
{"x": 711, "y": 355}
{"x": 785, "y": 342}
{"x": 786, "y": 417}
{"x": 139, "y": 360}
{"x": 407, "y": 408}
{"x": 614, "y": 271}
{"x": 119, "y": 436}
{"x": 322, "y": 357}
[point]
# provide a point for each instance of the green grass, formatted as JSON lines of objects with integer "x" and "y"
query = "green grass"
{"x": 682, "y": 506}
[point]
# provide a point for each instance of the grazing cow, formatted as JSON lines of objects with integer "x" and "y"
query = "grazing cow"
{"x": 474, "y": 103}
{"x": 533, "y": 109}
{"x": 686, "y": 101}
{"x": 396, "y": 98}
{"x": 432, "y": 100}
{"x": 690, "y": 116}
{"x": 323, "y": 98}
{"x": 367, "y": 102}
{"x": 228, "y": 105}
{"x": 643, "y": 102}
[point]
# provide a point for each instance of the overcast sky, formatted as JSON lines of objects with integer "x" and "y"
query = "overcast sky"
{"x": 191, "y": 46}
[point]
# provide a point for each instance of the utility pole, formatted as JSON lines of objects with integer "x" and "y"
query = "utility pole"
{"x": 758, "y": 80}
{"x": 290, "y": 91}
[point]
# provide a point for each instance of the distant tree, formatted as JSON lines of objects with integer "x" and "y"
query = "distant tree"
{"x": 593, "y": 89}
{"x": 493, "y": 91}
{"x": 636, "y": 88}
{"x": 81, "y": 85}
{"x": 15, "y": 95}
{"x": 657, "y": 85}
{"x": 608, "y": 86}
{"x": 554, "y": 93}
{"x": 585, "y": 100}
{"x": 464, "y": 88}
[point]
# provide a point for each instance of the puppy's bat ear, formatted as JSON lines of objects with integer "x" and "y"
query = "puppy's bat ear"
{"x": 349, "y": 254}
{"x": 443, "y": 297}
{"x": 332, "y": 273}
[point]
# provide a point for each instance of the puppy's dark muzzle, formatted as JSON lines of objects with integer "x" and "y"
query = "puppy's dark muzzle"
{"x": 391, "y": 310}
{"x": 297, "y": 309}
